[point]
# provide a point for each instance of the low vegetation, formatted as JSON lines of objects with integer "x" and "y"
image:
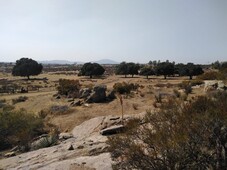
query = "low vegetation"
{"x": 125, "y": 88}
{"x": 18, "y": 128}
{"x": 178, "y": 136}
{"x": 67, "y": 87}
{"x": 19, "y": 99}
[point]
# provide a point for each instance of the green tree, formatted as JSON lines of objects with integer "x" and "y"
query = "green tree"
{"x": 147, "y": 71}
{"x": 190, "y": 70}
{"x": 127, "y": 68}
{"x": 91, "y": 69}
{"x": 165, "y": 69}
{"x": 122, "y": 69}
{"x": 27, "y": 67}
{"x": 133, "y": 68}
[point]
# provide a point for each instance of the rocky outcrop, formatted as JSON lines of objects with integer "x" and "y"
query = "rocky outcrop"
{"x": 98, "y": 94}
{"x": 211, "y": 85}
{"x": 84, "y": 148}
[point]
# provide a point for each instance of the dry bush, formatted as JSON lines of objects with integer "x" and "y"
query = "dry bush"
{"x": 178, "y": 136}
{"x": 67, "y": 86}
{"x": 125, "y": 88}
{"x": 19, "y": 99}
{"x": 18, "y": 127}
{"x": 212, "y": 75}
{"x": 186, "y": 85}
{"x": 59, "y": 110}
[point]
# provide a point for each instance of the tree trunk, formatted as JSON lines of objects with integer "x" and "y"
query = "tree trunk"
{"x": 164, "y": 76}
{"x": 28, "y": 77}
{"x": 147, "y": 76}
{"x": 125, "y": 75}
{"x": 190, "y": 77}
{"x": 90, "y": 76}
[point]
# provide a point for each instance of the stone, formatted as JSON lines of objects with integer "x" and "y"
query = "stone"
{"x": 211, "y": 85}
{"x": 64, "y": 136}
{"x": 111, "y": 95}
{"x": 10, "y": 154}
{"x": 70, "y": 100}
{"x": 84, "y": 93}
{"x": 16, "y": 148}
{"x": 112, "y": 130}
{"x": 77, "y": 103}
{"x": 70, "y": 147}
{"x": 58, "y": 97}
{"x": 98, "y": 95}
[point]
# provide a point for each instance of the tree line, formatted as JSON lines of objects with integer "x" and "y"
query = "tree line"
{"x": 27, "y": 67}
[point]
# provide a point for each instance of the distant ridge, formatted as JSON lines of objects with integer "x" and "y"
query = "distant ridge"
{"x": 59, "y": 62}
{"x": 106, "y": 61}
{"x": 103, "y": 61}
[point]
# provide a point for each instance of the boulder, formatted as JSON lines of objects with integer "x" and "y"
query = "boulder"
{"x": 98, "y": 95}
{"x": 112, "y": 130}
{"x": 111, "y": 95}
{"x": 10, "y": 154}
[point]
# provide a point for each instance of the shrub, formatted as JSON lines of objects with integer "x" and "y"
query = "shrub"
{"x": 196, "y": 82}
{"x": 212, "y": 75}
{"x": 158, "y": 98}
{"x": 67, "y": 87}
{"x": 2, "y": 103}
{"x": 18, "y": 127}
{"x": 176, "y": 93}
{"x": 60, "y": 110}
{"x": 20, "y": 99}
{"x": 125, "y": 88}
{"x": 186, "y": 85}
{"x": 192, "y": 136}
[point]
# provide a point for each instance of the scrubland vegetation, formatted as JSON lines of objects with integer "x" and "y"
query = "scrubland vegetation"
{"x": 177, "y": 136}
{"x": 185, "y": 124}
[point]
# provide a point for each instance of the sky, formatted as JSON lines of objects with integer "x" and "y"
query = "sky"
{"x": 121, "y": 30}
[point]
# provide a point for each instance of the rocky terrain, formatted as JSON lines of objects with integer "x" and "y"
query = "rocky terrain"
{"x": 84, "y": 148}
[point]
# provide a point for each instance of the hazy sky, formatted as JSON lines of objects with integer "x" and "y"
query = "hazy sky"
{"x": 121, "y": 30}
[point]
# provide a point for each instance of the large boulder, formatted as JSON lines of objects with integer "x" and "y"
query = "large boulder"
{"x": 98, "y": 95}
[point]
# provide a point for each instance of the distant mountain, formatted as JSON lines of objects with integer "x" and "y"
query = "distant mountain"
{"x": 59, "y": 62}
{"x": 106, "y": 61}
{"x": 103, "y": 61}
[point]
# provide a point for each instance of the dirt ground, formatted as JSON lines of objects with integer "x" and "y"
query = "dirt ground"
{"x": 139, "y": 101}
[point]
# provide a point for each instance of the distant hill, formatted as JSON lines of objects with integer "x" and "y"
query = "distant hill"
{"x": 103, "y": 61}
{"x": 59, "y": 62}
{"x": 106, "y": 61}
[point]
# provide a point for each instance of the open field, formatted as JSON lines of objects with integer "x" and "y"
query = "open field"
{"x": 138, "y": 101}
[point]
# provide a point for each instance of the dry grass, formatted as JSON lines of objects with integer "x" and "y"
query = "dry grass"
{"x": 43, "y": 99}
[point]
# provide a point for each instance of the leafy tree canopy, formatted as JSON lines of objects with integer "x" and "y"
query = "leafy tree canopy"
{"x": 92, "y": 69}
{"x": 27, "y": 67}
{"x": 165, "y": 68}
{"x": 147, "y": 71}
{"x": 190, "y": 70}
{"x": 127, "y": 68}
